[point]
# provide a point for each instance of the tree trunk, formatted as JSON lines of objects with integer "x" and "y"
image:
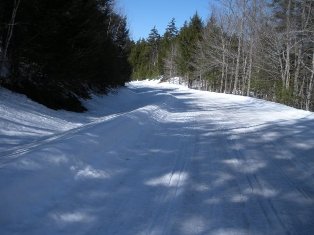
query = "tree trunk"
{"x": 240, "y": 44}
{"x": 297, "y": 72}
{"x": 236, "y": 76}
{"x": 244, "y": 78}
{"x": 223, "y": 64}
{"x": 4, "y": 60}
{"x": 226, "y": 79}
{"x": 310, "y": 86}
{"x": 249, "y": 73}
{"x": 288, "y": 47}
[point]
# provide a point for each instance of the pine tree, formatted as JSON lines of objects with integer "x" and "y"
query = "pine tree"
{"x": 154, "y": 42}
{"x": 169, "y": 50}
{"x": 61, "y": 50}
{"x": 171, "y": 30}
{"x": 189, "y": 36}
{"x": 140, "y": 60}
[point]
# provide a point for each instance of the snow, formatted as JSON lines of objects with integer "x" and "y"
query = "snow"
{"x": 156, "y": 158}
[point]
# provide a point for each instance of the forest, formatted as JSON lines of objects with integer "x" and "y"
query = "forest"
{"x": 257, "y": 48}
{"x": 58, "y": 52}
{"x": 136, "y": 153}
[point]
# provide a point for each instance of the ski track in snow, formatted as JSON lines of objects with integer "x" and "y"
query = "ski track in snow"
{"x": 154, "y": 159}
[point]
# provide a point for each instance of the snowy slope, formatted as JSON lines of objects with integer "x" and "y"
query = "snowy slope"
{"x": 156, "y": 158}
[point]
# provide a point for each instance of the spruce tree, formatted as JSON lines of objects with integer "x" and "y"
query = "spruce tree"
{"x": 188, "y": 38}
{"x": 169, "y": 50}
{"x": 171, "y": 30}
{"x": 61, "y": 50}
{"x": 154, "y": 43}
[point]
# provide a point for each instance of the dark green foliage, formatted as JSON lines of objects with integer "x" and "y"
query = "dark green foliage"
{"x": 261, "y": 50}
{"x": 189, "y": 36}
{"x": 171, "y": 31}
{"x": 42, "y": 93}
{"x": 65, "y": 49}
{"x": 140, "y": 60}
{"x": 168, "y": 50}
{"x": 148, "y": 56}
{"x": 284, "y": 95}
{"x": 145, "y": 56}
{"x": 154, "y": 44}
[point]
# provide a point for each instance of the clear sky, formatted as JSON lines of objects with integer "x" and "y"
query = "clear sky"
{"x": 143, "y": 15}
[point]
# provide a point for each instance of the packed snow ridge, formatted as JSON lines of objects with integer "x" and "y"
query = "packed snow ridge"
{"x": 156, "y": 158}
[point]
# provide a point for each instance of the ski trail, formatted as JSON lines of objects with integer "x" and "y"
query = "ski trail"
{"x": 176, "y": 181}
{"x": 12, "y": 154}
{"x": 168, "y": 161}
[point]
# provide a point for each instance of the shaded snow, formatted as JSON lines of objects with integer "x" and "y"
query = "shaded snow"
{"x": 156, "y": 158}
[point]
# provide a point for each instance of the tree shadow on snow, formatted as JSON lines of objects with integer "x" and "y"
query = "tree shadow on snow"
{"x": 151, "y": 172}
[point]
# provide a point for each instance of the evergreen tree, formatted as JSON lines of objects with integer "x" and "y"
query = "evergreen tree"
{"x": 61, "y": 50}
{"x": 154, "y": 42}
{"x": 210, "y": 56}
{"x": 189, "y": 36}
{"x": 171, "y": 30}
{"x": 250, "y": 48}
{"x": 169, "y": 50}
{"x": 140, "y": 60}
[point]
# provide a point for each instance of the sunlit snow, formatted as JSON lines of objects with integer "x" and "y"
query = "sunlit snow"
{"x": 156, "y": 158}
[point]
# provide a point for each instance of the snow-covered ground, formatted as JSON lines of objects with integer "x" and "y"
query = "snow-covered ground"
{"x": 156, "y": 158}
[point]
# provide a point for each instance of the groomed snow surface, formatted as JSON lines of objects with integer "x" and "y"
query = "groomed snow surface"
{"x": 156, "y": 158}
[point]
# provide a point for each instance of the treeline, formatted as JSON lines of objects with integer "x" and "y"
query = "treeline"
{"x": 57, "y": 52}
{"x": 169, "y": 55}
{"x": 256, "y": 48}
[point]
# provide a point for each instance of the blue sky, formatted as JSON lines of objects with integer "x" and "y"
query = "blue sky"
{"x": 143, "y": 15}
